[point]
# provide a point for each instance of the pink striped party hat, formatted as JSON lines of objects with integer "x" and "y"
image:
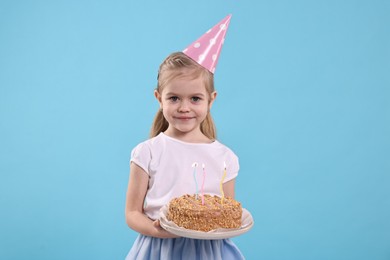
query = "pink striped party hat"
{"x": 207, "y": 48}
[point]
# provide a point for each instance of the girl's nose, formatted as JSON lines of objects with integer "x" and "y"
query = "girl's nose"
{"x": 184, "y": 106}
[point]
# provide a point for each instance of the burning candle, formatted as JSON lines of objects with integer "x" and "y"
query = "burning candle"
{"x": 194, "y": 165}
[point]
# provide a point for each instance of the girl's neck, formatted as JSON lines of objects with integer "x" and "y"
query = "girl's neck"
{"x": 189, "y": 137}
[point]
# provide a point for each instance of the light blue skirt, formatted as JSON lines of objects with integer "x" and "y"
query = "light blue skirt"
{"x": 146, "y": 247}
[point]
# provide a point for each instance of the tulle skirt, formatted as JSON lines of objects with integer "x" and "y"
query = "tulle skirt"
{"x": 146, "y": 247}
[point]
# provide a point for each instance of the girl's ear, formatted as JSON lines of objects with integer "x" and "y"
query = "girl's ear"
{"x": 158, "y": 97}
{"x": 213, "y": 96}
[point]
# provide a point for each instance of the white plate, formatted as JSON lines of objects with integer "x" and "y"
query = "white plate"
{"x": 247, "y": 223}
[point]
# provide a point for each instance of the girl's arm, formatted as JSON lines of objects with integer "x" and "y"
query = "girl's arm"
{"x": 135, "y": 217}
{"x": 228, "y": 188}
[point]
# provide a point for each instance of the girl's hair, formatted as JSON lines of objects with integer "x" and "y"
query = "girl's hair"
{"x": 175, "y": 66}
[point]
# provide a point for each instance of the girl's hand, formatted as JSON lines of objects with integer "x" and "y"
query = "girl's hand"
{"x": 160, "y": 232}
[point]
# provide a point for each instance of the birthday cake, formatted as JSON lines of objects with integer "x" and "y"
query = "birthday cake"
{"x": 205, "y": 214}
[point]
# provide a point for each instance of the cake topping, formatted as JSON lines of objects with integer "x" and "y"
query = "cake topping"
{"x": 189, "y": 212}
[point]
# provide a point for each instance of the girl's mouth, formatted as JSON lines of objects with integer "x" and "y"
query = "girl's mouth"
{"x": 184, "y": 117}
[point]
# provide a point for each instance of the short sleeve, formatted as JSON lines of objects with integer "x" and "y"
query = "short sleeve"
{"x": 141, "y": 156}
{"x": 232, "y": 166}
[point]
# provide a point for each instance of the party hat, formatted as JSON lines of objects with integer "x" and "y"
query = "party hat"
{"x": 207, "y": 48}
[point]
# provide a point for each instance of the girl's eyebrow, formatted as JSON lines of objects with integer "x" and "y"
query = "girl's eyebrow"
{"x": 198, "y": 94}
{"x": 193, "y": 94}
{"x": 171, "y": 94}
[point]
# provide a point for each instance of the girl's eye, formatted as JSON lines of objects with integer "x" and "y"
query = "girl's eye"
{"x": 195, "y": 99}
{"x": 173, "y": 99}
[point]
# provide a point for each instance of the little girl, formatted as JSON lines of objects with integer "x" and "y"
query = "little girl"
{"x": 161, "y": 168}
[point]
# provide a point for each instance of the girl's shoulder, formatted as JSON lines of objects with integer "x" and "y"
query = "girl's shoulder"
{"x": 147, "y": 143}
{"x": 223, "y": 146}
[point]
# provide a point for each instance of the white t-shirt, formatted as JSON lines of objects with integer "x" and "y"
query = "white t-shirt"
{"x": 168, "y": 163}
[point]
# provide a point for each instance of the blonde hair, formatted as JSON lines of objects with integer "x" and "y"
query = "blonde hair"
{"x": 180, "y": 65}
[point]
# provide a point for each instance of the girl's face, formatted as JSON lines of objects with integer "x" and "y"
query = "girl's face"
{"x": 185, "y": 103}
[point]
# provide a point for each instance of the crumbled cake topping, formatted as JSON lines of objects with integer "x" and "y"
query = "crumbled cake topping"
{"x": 189, "y": 212}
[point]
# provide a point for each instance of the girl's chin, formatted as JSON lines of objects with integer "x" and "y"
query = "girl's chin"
{"x": 185, "y": 130}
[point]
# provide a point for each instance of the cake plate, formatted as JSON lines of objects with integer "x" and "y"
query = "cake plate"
{"x": 247, "y": 224}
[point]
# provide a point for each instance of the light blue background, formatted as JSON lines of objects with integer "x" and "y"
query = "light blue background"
{"x": 303, "y": 100}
